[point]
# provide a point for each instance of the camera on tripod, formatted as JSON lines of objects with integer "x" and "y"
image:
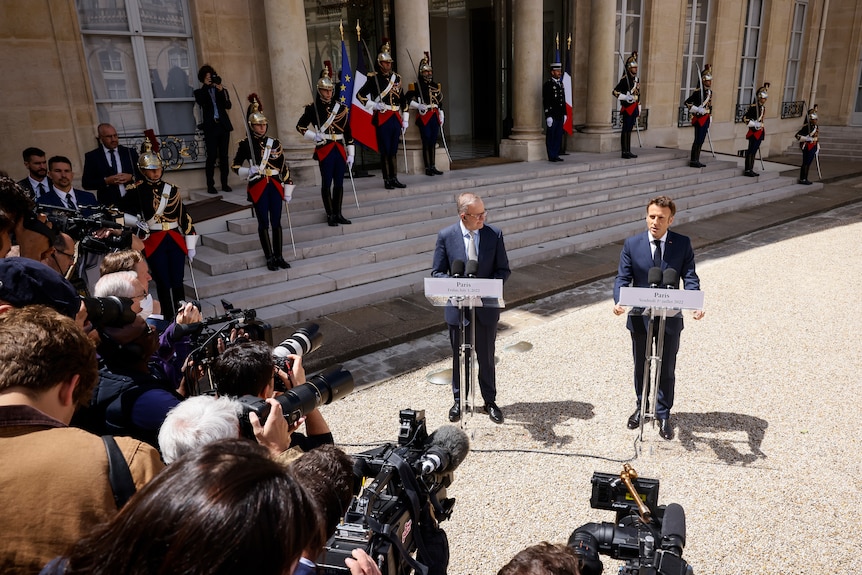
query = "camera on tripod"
{"x": 395, "y": 517}
{"x": 647, "y": 536}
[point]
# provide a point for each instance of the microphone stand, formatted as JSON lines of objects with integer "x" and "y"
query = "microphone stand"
{"x": 467, "y": 353}
{"x": 650, "y": 384}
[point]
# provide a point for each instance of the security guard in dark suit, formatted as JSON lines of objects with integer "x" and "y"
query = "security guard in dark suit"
{"x": 334, "y": 149}
{"x": 427, "y": 99}
{"x": 382, "y": 96}
{"x": 627, "y": 91}
{"x": 554, "y": 104}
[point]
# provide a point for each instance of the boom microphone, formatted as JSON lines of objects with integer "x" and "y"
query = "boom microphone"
{"x": 458, "y": 268}
{"x": 673, "y": 529}
{"x": 670, "y": 278}
{"x": 654, "y": 277}
{"x": 472, "y": 268}
{"x": 447, "y": 448}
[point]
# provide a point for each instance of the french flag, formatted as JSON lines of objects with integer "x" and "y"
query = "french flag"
{"x": 360, "y": 118}
{"x": 567, "y": 88}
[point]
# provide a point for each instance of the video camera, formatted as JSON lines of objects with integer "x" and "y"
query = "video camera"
{"x": 206, "y": 334}
{"x": 403, "y": 498}
{"x": 320, "y": 389}
{"x": 648, "y": 537}
{"x": 81, "y": 227}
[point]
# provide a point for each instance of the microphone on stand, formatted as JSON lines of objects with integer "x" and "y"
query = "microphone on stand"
{"x": 670, "y": 278}
{"x": 458, "y": 268}
{"x": 472, "y": 268}
{"x": 654, "y": 277}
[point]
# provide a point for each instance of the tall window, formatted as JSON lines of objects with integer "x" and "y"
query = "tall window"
{"x": 794, "y": 52}
{"x": 628, "y": 31}
{"x": 750, "y": 52}
{"x": 141, "y": 63}
{"x": 694, "y": 48}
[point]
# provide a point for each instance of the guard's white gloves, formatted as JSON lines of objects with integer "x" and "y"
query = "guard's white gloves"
{"x": 549, "y": 121}
{"x": 442, "y": 119}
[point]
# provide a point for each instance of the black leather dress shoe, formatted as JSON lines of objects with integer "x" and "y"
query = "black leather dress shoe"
{"x": 494, "y": 412}
{"x": 226, "y": 188}
{"x": 435, "y": 171}
{"x": 455, "y": 412}
{"x": 665, "y": 429}
{"x": 634, "y": 419}
{"x": 396, "y": 183}
{"x": 212, "y": 191}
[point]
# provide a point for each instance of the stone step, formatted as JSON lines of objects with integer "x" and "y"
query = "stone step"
{"x": 545, "y": 211}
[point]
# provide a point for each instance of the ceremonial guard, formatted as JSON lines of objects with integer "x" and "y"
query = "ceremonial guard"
{"x": 554, "y": 104}
{"x": 382, "y": 96}
{"x": 699, "y": 111}
{"x": 156, "y": 205}
{"x": 427, "y": 100}
{"x": 269, "y": 182}
{"x": 756, "y": 132}
{"x": 808, "y": 136}
{"x": 627, "y": 91}
{"x": 334, "y": 149}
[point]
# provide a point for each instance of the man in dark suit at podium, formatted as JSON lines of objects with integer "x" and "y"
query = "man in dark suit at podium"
{"x": 657, "y": 247}
{"x": 110, "y": 167}
{"x": 471, "y": 239}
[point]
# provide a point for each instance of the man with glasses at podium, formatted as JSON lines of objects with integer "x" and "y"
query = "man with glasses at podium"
{"x": 470, "y": 240}
{"x": 656, "y": 248}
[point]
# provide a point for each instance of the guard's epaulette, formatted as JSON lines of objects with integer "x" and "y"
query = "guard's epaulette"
{"x": 369, "y": 74}
{"x": 134, "y": 185}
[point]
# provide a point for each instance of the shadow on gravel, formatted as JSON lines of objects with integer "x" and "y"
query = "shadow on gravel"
{"x": 720, "y": 431}
{"x": 540, "y": 418}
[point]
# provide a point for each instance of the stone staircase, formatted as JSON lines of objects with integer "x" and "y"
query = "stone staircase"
{"x": 545, "y": 210}
{"x": 837, "y": 142}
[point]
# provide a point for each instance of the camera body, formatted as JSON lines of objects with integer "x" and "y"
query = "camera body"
{"x": 110, "y": 311}
{"x": 396, "y": 514}
{"x": 215, "y": 78}
{"x": 648, "y": 547}
{"x": 205, "y": 335}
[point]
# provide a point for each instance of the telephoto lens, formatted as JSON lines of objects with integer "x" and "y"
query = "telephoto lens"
{"x": 110, "y": 311}
{"x": 304, "y": 340}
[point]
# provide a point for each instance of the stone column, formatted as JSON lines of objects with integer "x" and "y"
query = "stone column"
{"x": 526, "y": 142}
{"x": 598, "y": 135}
{"x": 413, "y": 36}
{"x": 288, "y": 57}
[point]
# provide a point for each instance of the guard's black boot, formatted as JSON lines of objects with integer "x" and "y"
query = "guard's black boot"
{"x": 326, "y": 197}
{"x": 749, "y": 167}
{"x": 426, "y": 159}
{"x": 337, "y": 199}
{"x": 625, "y": 153}
{"x": 267, "y": 249}
{"x": 393, "y": 173}
{"x": 629, "y": 145}
{"x": 432, "y": 159}
{"x": 277, "y": 242}
{"x": 803, "y": 175}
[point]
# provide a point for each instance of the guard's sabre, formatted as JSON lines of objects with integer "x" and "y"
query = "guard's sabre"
{"x": 290, "y": 226}
{"x": 194, "y": 283}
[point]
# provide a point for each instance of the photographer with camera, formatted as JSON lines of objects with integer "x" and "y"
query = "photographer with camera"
{"x": 214, "y": 102}
{"x": 248, "y": 368}
{"x": 543, "y": 559}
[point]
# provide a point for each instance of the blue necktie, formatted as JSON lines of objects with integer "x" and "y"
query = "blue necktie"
{"x": 656, "y": 256}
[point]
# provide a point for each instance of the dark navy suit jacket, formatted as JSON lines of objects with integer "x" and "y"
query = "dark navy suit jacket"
{"x": 636, "y": 261}
{"x": 493, "y": 264}
{"x": 97, "y": 168}
{"x": 82, "y": 198}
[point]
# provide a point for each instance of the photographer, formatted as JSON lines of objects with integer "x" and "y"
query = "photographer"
{"x": 248, "y": 369}
{"x": 543, "y": 559}
{"x": 214, "y": 102}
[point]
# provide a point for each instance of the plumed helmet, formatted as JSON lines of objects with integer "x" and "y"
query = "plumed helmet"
{"x": 425, "y": 64}
{"x": 632, "y": 61}
{"x": 706, "y": 74}
{"x": 812, "y": 113}
{"x": 385, "y": 54}
{"x": 763, "y": 91}
{"x": 149, "y": 160}
{"x": 255, "y": 111}
{"x": 325, "y": 81}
